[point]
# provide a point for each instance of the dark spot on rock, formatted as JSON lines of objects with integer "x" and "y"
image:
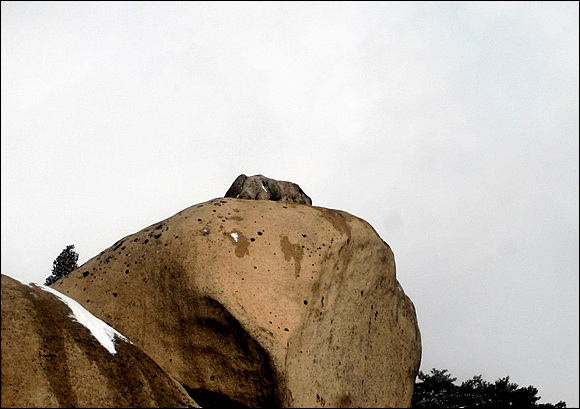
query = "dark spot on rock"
{"x": 198, "y": 220}
{"x": 292, "y": 250}
{"x": 88, "y": 300}
{"x": 252, "y": 239}
{"x": 259, "y": 233}
{"x": 286, "y": 329}
{"x": 146, "y": 241}
{"x": 305, "y": 302}
{"x": 114, "y": 294}
{"x": 126, "y": 271}
{"x": 85, "y": 273}
{"x": 159, "y": 227}
{"x": 157, "y": 236}
{"x": 345, "y": 401}
{"x": 304, "y": 235}
{"x": 118, "y": 244}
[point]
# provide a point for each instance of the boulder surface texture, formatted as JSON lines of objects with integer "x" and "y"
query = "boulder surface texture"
{"x": 51, "y": 360}
{"x": 261, "y": 303}
{"x": 260, "y": 187}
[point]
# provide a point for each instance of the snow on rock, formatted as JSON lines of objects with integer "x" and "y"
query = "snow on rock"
{"x": 104, "y": 333}
{"x": 235, "y": 236}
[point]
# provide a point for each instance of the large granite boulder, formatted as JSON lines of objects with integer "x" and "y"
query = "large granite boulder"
{"x": 50, "y": 358}
{"x": 261, "y": 303}
{"x": 259, "y": 187}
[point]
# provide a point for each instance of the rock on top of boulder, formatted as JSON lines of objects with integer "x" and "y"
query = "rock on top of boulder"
{"x": 260, "y": 187}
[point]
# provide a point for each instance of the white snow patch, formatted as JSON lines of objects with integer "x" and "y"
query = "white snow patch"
{"x": 104, "y": 333}
{"x": 235, "y": 236}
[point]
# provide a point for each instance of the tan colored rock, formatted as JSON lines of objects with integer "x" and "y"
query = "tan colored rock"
{"x": 51, "y": 360}
{"x": 261, "y": 303}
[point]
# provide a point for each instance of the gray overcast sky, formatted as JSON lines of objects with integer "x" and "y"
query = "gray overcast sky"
{"x": 451, "y": 127}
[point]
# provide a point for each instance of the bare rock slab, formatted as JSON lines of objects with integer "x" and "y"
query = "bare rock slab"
{"x": 261, "y": 303}
{"x": 50, "y": 359}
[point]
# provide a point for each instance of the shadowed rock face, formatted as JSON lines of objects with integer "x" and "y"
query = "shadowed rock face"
{"x": 260, "y": 187}
{"x": 261, "y": 303}
{"x": 51, "y": 360}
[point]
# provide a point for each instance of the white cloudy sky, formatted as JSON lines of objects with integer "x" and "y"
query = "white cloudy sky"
{"x": 451, "y": 127}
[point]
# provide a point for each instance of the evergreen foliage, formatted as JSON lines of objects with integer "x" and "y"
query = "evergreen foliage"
{"x": 439, "y": 391}
{"x": 63, "y": 265}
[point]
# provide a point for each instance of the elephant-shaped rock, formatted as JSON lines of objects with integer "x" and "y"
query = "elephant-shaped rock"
{"x": 260, "y": 187}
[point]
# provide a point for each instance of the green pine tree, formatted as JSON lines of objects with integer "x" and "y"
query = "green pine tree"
{"x": 63, "y": 265}
{"x": 438, "y": 390}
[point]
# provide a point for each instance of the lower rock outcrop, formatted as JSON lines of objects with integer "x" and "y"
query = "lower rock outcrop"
{"x": 261, "y": 303}
{"x": 51, "y": 360}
